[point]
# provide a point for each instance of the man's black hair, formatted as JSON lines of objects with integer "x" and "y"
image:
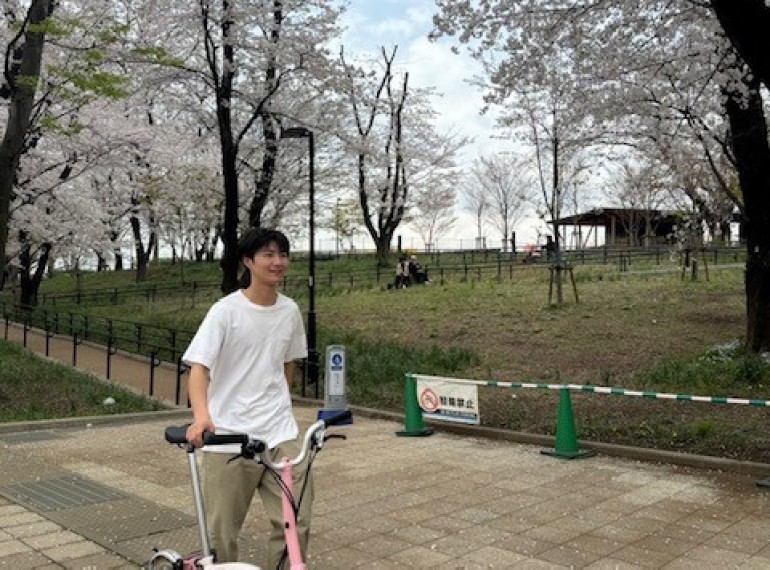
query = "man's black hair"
{"x": 254, "y": 240}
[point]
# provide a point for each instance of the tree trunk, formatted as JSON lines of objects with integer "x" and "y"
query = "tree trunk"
{"x": 116, "y": 250}
{"x": 382, "y": 245}
{"x": 264, "y": 180}
{"x": 752, "y": 154}
{"x": 142, "y": 254}
{"x": 224, "y": 95}
{"x": 746, "y": 23}
{"x": 230, "y": 262}
{"x": 20, "y": 106}
{"x": 30, "y": 280}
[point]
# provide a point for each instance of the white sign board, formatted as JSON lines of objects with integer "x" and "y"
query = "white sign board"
{"x": 335, "y": 377}
{"x": 448, "y": 401}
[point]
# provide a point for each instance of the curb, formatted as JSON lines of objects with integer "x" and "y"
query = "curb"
{"x": 647, "y": 455}
{"x": 83, "y": 421}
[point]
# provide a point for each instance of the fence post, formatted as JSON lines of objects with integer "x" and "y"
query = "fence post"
{"x": 26, "y": 325}
{"x": 48, "y": 334}
{"x": 85, "y": 327}
{"x": 111, "y": 348}
{"x": 76, "y": 341}
{"x": 181, "y": 368}
{"x": 154, "y": 363}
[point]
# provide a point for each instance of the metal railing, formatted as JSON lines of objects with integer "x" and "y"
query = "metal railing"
{"x": 442, "y": 267}
{"x": 154, "y": 343}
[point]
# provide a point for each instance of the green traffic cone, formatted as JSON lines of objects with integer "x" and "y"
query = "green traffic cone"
{"x": 566, "y": 440}
{"x": 415, "y": 427}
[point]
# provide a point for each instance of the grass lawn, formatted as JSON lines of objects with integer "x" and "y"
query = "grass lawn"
{"x": 648, "y": 329}
{"x": 32, "y": 388}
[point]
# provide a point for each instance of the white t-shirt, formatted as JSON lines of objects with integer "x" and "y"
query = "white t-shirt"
{"x": 245, "y": 347}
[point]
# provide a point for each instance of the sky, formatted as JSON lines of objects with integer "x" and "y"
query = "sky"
{"x": 371, "y": 24}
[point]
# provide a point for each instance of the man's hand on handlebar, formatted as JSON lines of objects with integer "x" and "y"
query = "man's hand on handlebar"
{"x": 196, "y": 430}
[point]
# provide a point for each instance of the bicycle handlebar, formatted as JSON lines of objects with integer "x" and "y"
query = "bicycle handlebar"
{"x": 178, "y": 435}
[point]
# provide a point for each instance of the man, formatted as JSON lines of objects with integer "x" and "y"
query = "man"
{"x": 241, "y": 368}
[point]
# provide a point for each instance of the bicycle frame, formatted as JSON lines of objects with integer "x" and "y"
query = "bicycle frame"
{"x": 290, "y": 518}
{"x": 257, "y": 450}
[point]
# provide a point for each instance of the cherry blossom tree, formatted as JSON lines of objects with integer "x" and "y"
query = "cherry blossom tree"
{"x": 72, "y": 131}
{"x": 21, "y": 73}
{"x": 249, "y": 57}
{"x": 638, "y": 61}
{"x": 475, "y": 201}
{"x": 432, "y": 213}
{"x": 508, "y": 189}
{"x": 642, "y": 194}
{"x": 396, "y": 147}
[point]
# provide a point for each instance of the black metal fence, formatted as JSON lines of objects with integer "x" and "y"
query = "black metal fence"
{"x": 156, "y": 344}
{"x": 442, "y": 268}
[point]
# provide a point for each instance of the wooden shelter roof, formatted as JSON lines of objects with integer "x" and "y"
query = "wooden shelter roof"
{"x": 603, "y": 216}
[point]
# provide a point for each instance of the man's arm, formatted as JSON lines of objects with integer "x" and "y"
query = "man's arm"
{"x": 197, "y": 391}
{"x": 288, "y": 369}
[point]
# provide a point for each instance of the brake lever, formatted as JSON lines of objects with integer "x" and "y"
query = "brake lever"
{"x": 248, "y": 451}
{"x": 335, "y": 436}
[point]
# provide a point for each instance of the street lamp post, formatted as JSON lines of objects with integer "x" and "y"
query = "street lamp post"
{"x": 337, "y": 227}
{"x": 311, "y": 371}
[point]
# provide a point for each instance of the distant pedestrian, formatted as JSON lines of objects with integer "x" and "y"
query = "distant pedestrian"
{"x": 550, "y": 249}
{"x": 417, "y": 273}
{"x": 402, "y": 273}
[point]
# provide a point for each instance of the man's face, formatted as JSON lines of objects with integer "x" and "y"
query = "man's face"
{"x": 269, "y": 264}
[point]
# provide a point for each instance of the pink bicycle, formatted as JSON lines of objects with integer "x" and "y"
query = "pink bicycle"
{"x": 255, "y": 449}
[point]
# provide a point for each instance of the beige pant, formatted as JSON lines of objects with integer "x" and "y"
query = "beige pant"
{"x": 228, "y": 489}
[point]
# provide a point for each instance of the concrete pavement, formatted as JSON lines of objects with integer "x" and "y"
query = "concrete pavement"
{"x": 80, "y": 497}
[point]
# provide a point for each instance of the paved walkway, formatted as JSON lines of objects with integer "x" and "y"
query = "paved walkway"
{"x": 103, "y": 496}
{"x": 98, "y": 494}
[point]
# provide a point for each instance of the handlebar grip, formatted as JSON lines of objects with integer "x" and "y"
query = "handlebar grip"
{"x": 178, "y": 435}
{"x": 339, "y": 419}
{"x": 224, "y": 438}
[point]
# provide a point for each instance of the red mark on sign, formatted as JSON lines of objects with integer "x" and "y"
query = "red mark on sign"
{"x": 429, "y": 400}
